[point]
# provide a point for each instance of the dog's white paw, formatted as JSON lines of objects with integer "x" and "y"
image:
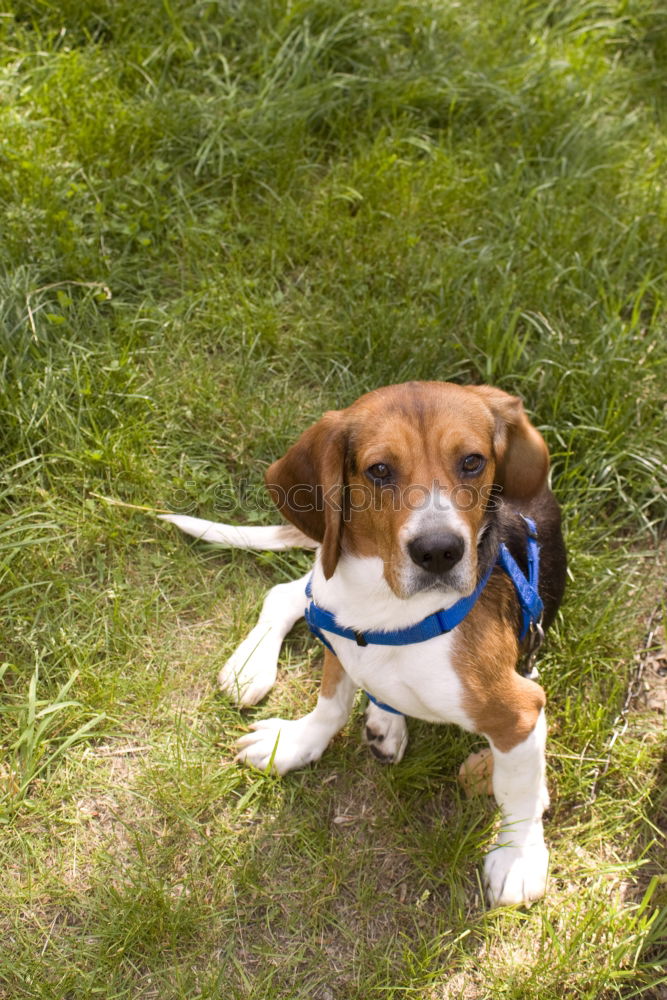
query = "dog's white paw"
{"x": 516, "y": 875}
{"x": 385, "y": 733}
{"x": 286, "y": 745}
{"x": 250, "y": 672}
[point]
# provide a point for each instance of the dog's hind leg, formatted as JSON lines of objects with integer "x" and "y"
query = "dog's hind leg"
{"x": 251, "y": 670}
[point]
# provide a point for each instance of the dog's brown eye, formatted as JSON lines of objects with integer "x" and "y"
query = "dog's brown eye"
{"x": 473, "y": 463}
{"x": 379, "y": 472}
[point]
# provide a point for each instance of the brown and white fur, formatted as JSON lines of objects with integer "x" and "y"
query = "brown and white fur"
{"x": 407, "y": 494}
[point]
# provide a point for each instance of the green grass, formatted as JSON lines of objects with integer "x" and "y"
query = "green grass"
{"x": 218, "y": 219}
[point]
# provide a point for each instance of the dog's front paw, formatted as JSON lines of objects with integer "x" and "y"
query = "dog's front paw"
{"x": 282, "y": 744}
{"x": 251, "y": 670}
{"x": 385, "y": 733}
{"x": 516, "y": 875}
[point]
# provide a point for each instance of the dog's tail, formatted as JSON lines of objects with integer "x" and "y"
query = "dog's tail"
{"x": 263, "y": 538}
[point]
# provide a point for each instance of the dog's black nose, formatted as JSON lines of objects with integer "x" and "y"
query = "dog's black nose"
{"x": 436, "y": 552}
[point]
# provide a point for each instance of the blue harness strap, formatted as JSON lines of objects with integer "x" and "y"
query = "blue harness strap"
{"x": 433, "y": 625}
{"x": 526, "y": 588}
{"x": 381, "y": 704}
{"x": 319, "y": 620}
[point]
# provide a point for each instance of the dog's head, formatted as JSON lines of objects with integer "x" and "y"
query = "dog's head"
{"x": 408, "y": 473}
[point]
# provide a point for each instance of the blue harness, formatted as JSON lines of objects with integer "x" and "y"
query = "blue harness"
{"x": 440, "y": 622}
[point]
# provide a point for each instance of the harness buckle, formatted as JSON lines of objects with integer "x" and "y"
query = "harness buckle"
{"x": 359, "y": 636}
{"x": 534, "y": 640}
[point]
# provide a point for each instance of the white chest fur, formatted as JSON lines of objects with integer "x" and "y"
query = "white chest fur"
{"x": 418, "y": 680}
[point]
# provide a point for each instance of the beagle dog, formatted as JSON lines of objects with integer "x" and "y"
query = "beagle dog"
{"x": 410, "y": 495}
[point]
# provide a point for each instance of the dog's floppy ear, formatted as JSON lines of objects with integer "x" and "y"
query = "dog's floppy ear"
{"x": 306, "y": 485}
{"x": 522, "y": 458}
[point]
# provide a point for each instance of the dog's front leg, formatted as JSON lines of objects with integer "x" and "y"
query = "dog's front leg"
{"x": 251, "y": 670}
{"x": 516, "y": 867}
{"x": 287, "y": 745}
